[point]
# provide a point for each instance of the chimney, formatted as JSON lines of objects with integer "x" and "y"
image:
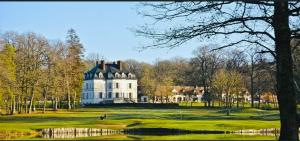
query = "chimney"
{"x": 102, "y": 65}
{"x": 97, "y": 62}
{"x": 119, "y": 65}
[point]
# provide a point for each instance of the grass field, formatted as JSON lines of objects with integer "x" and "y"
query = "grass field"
{"x": 131, "y": 117}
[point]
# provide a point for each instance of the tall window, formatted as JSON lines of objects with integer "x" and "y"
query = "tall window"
{"x": 117, "y": 95}
{"x": 109, "y": 85}
{"x": 130, "y": 95}
{"x": 100, "y": 95}
{"x": 129, "y": 85}
{"x": 117, "y": 85}
{"x": 109, "y": 95}
{"x": 86, "y": 85}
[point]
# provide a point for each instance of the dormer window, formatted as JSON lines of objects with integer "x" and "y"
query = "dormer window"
{"x": 100, "y": 75}
{"x": 123, "y": 75}
{"x": 117, "y": 75}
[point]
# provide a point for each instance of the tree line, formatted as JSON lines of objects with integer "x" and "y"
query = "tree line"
{"x": 222, "y": 73}
{"x": 34, "y": 69}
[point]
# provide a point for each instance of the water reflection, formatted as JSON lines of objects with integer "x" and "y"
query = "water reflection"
{"x": 89, "y": 132}
{"x": 76, "y": 132}
{"x": 262, "y": 132}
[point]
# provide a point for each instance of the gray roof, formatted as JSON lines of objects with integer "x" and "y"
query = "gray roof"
{"x": 111, "y": 71}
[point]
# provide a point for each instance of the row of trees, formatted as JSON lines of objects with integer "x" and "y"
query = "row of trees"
{"x": 34, "y": 69}
{"x": 230, "y": 72}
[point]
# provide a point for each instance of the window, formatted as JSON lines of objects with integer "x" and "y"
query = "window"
{"x": 100, "y": 95}
{"x": 117, "y": 85}
{"x": 130, "y": 96}
{"x": 92, "y": 95}
{"x": 86, "y": 85}
{"x": 117, "y": 95}
{"x": 129, "y": 85}
{"x": 109, "y": 85}
{"x": 109, "y": 95}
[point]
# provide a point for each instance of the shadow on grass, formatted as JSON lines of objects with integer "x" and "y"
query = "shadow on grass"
{"x": 38, "y": 119}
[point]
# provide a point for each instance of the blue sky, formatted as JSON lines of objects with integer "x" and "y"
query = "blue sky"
{"x": 103, "y": 27}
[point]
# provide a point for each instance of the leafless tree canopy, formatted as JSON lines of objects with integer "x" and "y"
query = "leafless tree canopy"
{"x": 241, "y": 23}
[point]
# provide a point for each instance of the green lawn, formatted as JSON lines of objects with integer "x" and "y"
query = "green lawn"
{"x": 130, "y": 117}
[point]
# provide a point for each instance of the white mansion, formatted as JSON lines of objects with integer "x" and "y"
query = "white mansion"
{"x": 109, "y": 83}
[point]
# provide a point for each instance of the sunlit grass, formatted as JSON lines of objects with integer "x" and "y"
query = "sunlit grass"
{"x": 130, "y": 117}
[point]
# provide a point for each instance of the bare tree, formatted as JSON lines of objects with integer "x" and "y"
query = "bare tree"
{"x": 252, "y": 75}
{"x": 92, "y": 58}
{"x": 204, "y": 65}
{"x": 242, "y": 23}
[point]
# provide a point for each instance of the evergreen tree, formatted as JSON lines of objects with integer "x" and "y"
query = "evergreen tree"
{"x": 75, "y": 65}
{"x": 8, "y": 77}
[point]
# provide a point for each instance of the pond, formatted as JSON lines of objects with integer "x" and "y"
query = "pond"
{"x": 152, "y": 133}
{"x": 69, "y": 133}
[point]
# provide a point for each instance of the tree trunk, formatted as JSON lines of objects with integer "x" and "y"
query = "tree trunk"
{"x": 285, "y": 87}
{"x": 31, "y": 101}
{"x": 52, "y": 102}
{"x": 13, "y": 105}
{"x": 68, "y": 91}
{"x": 59, "y": 105}
{"x": 19, "y": 104}
{"x": 45, "y": 103}
{"x": 274, "y": 100}
{"x": 33, "y": 105}
{"x": 25, "y": 105}
{"x": 6, "y": 107}
{"x": 74, "y": 100}
{"x": 69, "y": 100}
{"x": 259, "y": 99}
{"x": 227, "y": 101}
{"x": 251, "y": 83}
{"x": 56, "y": 102}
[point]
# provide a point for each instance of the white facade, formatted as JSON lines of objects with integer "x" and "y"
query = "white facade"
{"x": 113, "y": 90}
